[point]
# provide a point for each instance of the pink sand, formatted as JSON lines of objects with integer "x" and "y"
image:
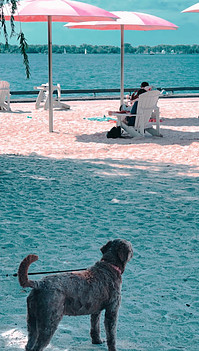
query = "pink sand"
{"x": 24, "y": 131}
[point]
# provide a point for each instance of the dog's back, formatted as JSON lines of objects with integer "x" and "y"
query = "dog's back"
{"x": 77, "y": 289}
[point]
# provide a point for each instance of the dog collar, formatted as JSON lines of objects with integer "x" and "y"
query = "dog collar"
{"x": 115, "y": 267}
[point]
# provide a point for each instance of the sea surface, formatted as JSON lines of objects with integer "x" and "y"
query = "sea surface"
{"x": 65, "y": 210}
{"x": 76, "y": 71}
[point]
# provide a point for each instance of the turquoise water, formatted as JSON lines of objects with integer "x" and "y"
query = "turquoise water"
{"x": 65, "y": 210}
{"x": 101, "y": 71}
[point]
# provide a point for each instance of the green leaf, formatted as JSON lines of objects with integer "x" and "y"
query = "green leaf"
{"x": 22, "y": 41}
{"x": 23, "y": 48}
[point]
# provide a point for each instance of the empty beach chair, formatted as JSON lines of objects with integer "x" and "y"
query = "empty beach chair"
{"x": 144, "y": 120}
{"x": 4, "y": 96}
{"x": 43, "y": 97}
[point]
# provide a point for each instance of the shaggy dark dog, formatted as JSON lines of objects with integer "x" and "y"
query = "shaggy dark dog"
{"x": 76, "y": 293}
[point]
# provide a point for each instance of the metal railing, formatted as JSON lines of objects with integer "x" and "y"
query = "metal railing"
{"x": 103, "y": 94}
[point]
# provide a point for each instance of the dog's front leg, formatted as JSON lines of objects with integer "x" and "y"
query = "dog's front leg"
{"x": 110, "y": 323}
{"x": 95, "y": 328}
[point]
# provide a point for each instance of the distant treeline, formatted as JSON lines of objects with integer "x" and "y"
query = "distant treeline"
{"x": 105, "y": 49}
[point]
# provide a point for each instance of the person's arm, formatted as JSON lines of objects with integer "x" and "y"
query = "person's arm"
{"x": 134, "y": 96}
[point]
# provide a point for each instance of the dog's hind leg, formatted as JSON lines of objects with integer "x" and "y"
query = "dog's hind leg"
{"x": 45, "y": 333}
{"x": 31, "y": 324}
{"x": 95, "y": 329}
{"x": 32, "y": 332}
{"x": 47, "y": 320}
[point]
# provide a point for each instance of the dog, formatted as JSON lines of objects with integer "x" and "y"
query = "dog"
{"x": 85, "y": 292}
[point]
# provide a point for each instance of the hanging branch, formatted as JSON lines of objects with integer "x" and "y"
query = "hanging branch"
{"x": 3, "y": 25}
{"x": 22, "y": 41}
{"x": 14, "y": 7}
{"x": 23, "y": 47}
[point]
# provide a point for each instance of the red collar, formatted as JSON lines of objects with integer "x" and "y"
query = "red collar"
{"x": 113, "y": 266}
{"x": 116, "y": 268}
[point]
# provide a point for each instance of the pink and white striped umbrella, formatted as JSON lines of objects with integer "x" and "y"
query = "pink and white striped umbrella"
{"x": 59, "y": 10}
{"x": 55, "y": 11}
{"x": 127, "y": 21}
{"x": 193, "y": 8}
{"x": 130, "y": 21}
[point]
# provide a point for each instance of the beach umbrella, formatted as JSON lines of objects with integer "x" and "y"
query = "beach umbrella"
{"x": 55, "y": 11}
{"x": 127, "y": 21}
{"x": 193, "y": 8}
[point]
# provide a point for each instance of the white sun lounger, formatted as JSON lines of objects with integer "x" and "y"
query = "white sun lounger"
{"x": 147, "y": 103}
{"x": 4, "y": 96}
{"x": 43, "y": 96}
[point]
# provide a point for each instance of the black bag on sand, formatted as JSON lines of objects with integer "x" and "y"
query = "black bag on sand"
{"x": 114, "y": 133}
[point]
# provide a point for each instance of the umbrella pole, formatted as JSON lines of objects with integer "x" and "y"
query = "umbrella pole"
{"x": 122, "y": 66}
{"x": 50, "y": 73}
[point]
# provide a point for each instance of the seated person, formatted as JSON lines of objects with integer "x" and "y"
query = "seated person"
{"x": 130, "y": 121}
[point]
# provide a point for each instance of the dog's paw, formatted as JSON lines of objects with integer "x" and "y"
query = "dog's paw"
{"x": 97, "y": 341}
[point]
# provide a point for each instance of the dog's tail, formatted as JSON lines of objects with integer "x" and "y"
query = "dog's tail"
{"x": 23, "y": 272}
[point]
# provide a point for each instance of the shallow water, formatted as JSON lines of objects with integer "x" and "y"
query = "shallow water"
{"x": 65, "y": 210}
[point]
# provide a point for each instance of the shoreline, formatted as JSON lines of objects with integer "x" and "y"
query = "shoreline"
{"x": 159, "y": 49}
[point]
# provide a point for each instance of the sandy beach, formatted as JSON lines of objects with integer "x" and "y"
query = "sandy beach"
{"x": 65, "y": 194}
{"x": 24, "y": 131}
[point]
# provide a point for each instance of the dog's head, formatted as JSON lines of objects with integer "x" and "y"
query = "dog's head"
{"x": 117, "y": 252}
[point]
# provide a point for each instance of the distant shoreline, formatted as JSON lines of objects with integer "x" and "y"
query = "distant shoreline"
{"x": 105, "y": 49}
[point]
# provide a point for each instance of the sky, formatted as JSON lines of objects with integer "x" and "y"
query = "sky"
{"x": 170, "y": 10}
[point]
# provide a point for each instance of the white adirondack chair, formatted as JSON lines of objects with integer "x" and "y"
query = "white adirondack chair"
{"x": 43, "y": 96}
{"x": 147, "y": 104}
{"x": 4, "y": 96}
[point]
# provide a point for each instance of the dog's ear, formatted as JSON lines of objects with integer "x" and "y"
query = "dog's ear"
{"x": 106, "y": 247}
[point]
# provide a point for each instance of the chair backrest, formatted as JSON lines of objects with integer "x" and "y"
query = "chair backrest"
{"x": 4, "y": 91}
{"x": 4, "y": 84}
{"x": 146, "y": 104}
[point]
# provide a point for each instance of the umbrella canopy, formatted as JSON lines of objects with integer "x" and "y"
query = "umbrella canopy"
{"x": 127, "y": 21}
{"x": 60, "y": 10}
{"x": 193, "y": 8}
{"x": 130, "y": 21}
{"x": 56, "y": 11}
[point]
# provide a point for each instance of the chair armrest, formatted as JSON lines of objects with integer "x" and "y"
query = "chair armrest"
{"x": 120, "y": 113}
